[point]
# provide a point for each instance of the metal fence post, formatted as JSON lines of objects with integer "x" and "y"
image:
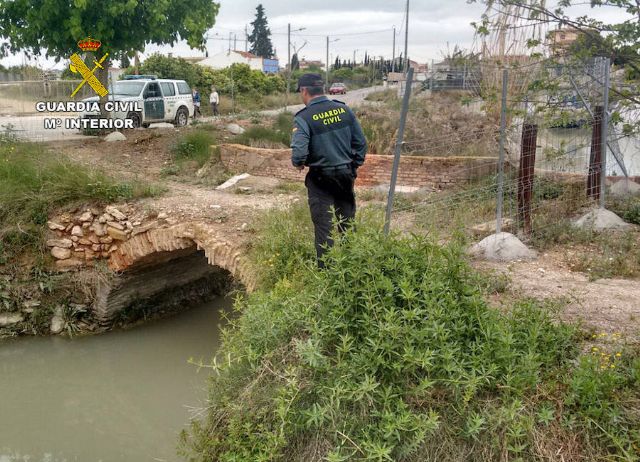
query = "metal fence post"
{"x": 503, "y": 134}
{"x": 526, "y": 174}
{"x": 398, "y": 149}
{"x": 594, "y": 176}
{"x": 605, "y": 130}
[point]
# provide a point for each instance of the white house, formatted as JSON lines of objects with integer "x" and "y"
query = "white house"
{"x": 227, "y": 58}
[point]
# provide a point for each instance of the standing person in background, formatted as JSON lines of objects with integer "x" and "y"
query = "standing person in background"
{"x": 214, "y": 100}
{"x": 196, "y": 103}
{"x": 329, "y": 140}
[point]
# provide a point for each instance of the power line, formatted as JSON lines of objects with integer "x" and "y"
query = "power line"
{"x": 346, "y": 34}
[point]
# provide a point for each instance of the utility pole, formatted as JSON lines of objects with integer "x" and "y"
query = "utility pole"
{"x": 393, "y": 54}
{"x": 286, "y": 96}
{"x": 235, "y": 38}
{"x": 327, "y": 78}
{"x": 230, "y": 34}
{"x": 354, "y": 58}
{"x": 406, "y": 40}
{"x": 246, "y": 38}
{"x": 288, "y": 69}
{"x": 334, "y": 40}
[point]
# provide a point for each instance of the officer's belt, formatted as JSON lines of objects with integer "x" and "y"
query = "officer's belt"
{"x": 331, "y": 168}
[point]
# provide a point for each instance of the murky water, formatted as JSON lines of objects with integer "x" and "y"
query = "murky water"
{"x": 121, "y": 396}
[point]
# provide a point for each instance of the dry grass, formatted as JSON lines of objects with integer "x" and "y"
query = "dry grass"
{"x": 437, "y": 125}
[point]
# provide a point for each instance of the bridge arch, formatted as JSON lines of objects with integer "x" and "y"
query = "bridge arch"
{"x": 158, "y": 260}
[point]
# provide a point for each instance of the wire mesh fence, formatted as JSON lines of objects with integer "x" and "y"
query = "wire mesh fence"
{"x": 18, "y": 111}
{"x": 565, "y": 140}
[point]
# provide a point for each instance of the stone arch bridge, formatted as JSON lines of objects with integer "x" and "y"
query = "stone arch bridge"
{"x": 159, "y": 262}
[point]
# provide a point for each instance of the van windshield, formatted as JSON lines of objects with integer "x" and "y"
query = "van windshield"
{"x": 128, "y": 88}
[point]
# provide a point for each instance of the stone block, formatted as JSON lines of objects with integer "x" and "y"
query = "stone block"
{"x": 116, "y": 234}
{"x": 61, "y": 253}
{"x": 62, "y": 243}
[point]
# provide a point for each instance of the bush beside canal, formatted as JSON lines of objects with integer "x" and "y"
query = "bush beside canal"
{"x": 393, "y": 354}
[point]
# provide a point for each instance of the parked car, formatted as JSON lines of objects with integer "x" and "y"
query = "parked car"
{"x": 159, "y": 100}
{"x": 338, "y": 89}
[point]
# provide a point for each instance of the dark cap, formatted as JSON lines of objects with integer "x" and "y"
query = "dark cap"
{"x": 310, "y": 80}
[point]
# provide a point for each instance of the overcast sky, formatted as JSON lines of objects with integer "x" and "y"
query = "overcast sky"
{"x": 358, "y": 25}
{"x": 432, "y": 23}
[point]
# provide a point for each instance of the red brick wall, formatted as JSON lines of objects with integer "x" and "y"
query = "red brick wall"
{"x": 438, "y": 172}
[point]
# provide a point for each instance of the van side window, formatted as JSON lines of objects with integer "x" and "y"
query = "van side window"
{"x": 152, "y": 90}
{"x": 168, "y": 89}
{"x": 183, "y": 88}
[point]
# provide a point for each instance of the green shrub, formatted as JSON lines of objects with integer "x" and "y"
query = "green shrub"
{"x": 279, "y": 135}
{"x": 194, "y": 146}
{"x": 278, "y": 251}
{"x": 391, "y": 354}
{"x": 257, "y": 133}
{"x": 632, "y": 214}
{"x": 546, "y": 189}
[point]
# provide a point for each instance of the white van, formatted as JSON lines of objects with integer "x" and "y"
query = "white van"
{"x": 159, "y": 100}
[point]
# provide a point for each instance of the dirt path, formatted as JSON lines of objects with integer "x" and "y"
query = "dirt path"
{"x": 605, "y": 305}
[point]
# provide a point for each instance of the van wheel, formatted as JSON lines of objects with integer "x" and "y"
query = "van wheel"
{"x": 136, "y": 118}
{"x": 146, "y": 125}
{"x": 182, "y": 117}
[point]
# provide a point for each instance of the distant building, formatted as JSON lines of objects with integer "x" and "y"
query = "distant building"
{"x": 419, "y": 72}
{"x": 225, "y": 59}
{"x": 560, "y": 40}
{"x": 418, "y": 68}
{"x": 304, "y": 64}
{"x": 450, "y": 74}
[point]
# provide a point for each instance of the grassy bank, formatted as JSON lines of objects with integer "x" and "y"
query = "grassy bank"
{"x": 393, "y": 354}
{"x": 33, "y": 183}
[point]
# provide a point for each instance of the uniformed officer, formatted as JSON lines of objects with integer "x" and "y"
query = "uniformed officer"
{"x": 328, "y": 139}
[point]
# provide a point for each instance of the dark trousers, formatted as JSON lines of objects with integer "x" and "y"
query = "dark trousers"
{"x": 326, "y": 189}
{"x": 214, "y": 108}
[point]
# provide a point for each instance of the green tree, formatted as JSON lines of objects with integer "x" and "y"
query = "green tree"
{"x": 260, "y": 38}
{"x": 54, "y": 27}
{"x": 172, "y": 68}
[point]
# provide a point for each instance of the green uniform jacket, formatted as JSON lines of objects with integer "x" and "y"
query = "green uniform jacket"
{"x": 327, "y": 134}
